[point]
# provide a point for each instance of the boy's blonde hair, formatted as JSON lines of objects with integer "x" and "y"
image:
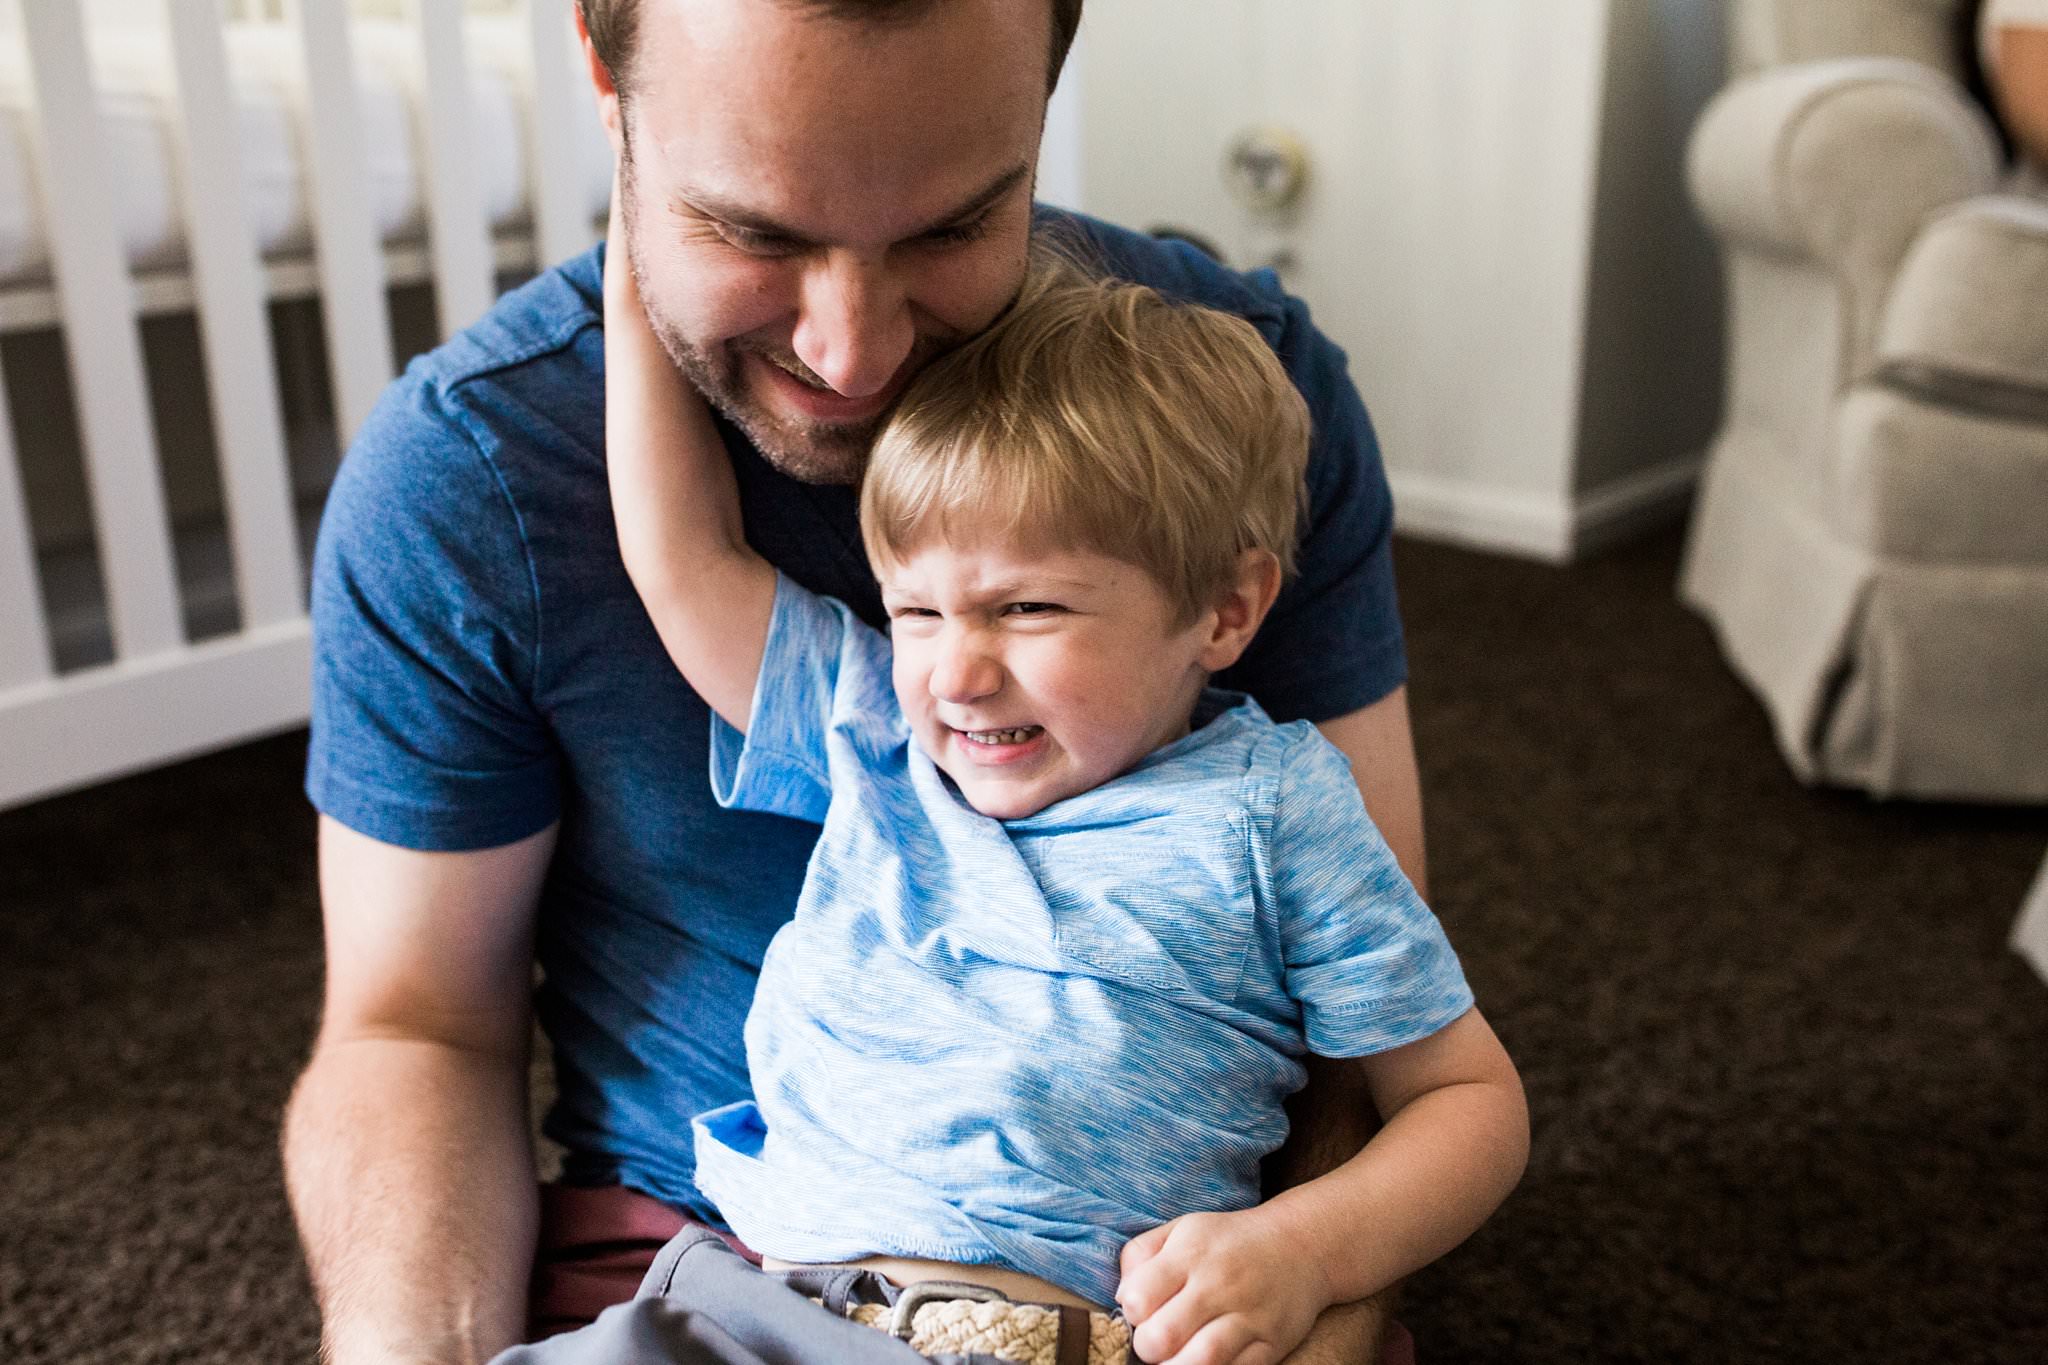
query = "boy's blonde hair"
{"x": 1098, "y": 415}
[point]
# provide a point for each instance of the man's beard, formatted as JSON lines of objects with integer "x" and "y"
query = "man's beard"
{"x": 808, "y": 451}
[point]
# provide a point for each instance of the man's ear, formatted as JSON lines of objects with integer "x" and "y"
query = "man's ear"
{"x": 1241, "y": 609}
{"x": 609, "y": 110}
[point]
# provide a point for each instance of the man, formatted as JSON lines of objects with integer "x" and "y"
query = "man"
{"x": 820, "y": 195}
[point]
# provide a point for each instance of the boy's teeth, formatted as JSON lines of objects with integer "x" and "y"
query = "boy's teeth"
{"x": 1016, "y": 736}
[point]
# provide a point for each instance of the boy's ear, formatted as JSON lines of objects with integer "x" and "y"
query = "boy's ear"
{"x": 609, "y": 111}
{"x": 1241, "y": 609}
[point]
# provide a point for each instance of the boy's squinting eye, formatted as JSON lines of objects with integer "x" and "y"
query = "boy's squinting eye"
{"x": 1032, "y": 608}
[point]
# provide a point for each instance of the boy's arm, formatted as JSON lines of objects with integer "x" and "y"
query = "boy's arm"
{"x": 677, "y": 506}
{"x": 1249, "y": 1285}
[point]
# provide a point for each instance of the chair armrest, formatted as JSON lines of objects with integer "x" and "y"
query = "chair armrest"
{"x": 1838, "y": 163}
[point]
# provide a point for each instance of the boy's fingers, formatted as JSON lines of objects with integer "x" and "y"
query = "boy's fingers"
{"x": 1142, "y": 1248}
{"x": 1227, "y": 1340}
{"x": 1149, "y": 1288}
{"x": 1164, "y": 1332}
{"x": 615, "y": 229}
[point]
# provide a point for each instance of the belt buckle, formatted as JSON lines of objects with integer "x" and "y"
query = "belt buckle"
{"x": 918, "y": 1293}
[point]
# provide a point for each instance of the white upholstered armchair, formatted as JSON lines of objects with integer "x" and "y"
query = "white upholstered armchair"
{"x": 1871, "y": 540}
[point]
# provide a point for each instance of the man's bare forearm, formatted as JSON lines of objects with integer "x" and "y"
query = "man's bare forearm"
{"x": 1330, "y": 1120}
{"x": 411, "y": 1173}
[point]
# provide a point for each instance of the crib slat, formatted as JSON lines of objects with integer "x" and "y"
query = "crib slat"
{"x": 24, "y": 635}
{"x": 101, "y": 341}
{"x": 562, "y": 227}
{"x": 352, "y": 302}
{"x": 458, "y": 231}
{"x": 234, "y": 325}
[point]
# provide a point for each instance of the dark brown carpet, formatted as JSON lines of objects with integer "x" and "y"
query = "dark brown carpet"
{"x": 1790, "y": 1088}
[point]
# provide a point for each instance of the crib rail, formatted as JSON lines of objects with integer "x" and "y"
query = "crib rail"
{"x": 163, "y": 696}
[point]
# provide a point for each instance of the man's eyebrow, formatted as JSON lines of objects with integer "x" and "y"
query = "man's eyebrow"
{"x": 740, "y": 216}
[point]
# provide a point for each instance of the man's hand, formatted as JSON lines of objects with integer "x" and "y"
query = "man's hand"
{"x": 1215, "y": 1288}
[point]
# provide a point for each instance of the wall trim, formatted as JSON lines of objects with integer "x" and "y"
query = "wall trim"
{"x": 2030, "y": 930}
{"x": 1547, "y": 527}
{"x": 1617, "y": 510}
{"x": 1480, "y": 516}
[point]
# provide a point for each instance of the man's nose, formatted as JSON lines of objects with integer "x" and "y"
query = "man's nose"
{"x": 965, "y": 670}
{"x": 854, "y": 328}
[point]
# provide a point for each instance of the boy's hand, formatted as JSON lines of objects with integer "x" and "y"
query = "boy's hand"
{"x": 1215, "y": 1288}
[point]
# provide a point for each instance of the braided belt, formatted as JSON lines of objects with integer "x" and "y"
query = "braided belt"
{"x": 947, "y": 1317}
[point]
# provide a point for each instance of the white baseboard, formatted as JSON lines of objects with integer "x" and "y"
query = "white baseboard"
{"x": 1619, "y": 508}
{"x": 1479, "y": 516}
{"x": 1553, "y": 528}
{"x": 2030, "y": 930}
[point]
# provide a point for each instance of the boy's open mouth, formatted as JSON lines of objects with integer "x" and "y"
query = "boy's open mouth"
{"x": 1018, "y": 735}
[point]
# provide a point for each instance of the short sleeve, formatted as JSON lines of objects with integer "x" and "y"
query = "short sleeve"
{"x": 1332, "y": 643}
{"x": 1364, "y": 957}
{"x": 822, "y": 667}
{"x": 425, "y": 636}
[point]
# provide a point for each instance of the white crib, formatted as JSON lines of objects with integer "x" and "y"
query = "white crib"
{"x": 237, "y": 170}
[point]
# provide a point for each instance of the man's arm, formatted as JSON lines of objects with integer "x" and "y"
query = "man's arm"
{"x": 408, "y": 1156}
{"x": 1243, "y": 1285}
{"x": 1332, "y": 1118}
{"x": 1381, "y": 746}
{"x": 2022, "y": 86}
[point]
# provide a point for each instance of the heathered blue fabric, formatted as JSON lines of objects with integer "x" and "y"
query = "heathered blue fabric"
{"x": 482, "y": 670}
{"x": 1024, "y": 1042}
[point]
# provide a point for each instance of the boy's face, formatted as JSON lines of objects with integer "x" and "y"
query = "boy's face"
{"x": 1033, "y": 676}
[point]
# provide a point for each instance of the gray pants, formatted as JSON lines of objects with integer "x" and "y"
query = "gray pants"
{"x": 704, "y": 1304}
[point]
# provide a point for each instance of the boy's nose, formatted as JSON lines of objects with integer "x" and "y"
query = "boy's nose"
{"x": 964, "y": 672}
{"x": 854, "y": 328}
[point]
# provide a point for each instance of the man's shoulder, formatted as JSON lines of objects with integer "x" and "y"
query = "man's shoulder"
{"x": 543, "y": 317}
{"x": 504, "y": 417}
{"x": 1173, "y": 266}
{"x": 527, "y": 366}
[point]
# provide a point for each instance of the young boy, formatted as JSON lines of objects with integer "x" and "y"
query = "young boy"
{"x": 1074, "y": 918}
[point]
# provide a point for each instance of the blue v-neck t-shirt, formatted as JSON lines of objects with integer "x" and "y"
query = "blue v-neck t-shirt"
{"x": 1024, "y": 1042}
{"x": 482, "y": 670}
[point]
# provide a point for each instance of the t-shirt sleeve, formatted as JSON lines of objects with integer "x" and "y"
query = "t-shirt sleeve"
{"x": 822, "y": 667}
{"x": 425, "y": 638}
{"x": 1364, "y": 957}
{"x": 1332, "y": 643}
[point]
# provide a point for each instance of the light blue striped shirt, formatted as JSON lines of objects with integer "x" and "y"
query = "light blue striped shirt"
{"x": 1022, "y": 1043}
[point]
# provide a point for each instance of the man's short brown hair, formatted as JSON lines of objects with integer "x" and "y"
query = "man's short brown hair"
{"x": 613, "y": 26}
{"x": 1099, "y": 416}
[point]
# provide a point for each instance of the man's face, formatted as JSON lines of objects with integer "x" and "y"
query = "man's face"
{"x": 818, "y": 206}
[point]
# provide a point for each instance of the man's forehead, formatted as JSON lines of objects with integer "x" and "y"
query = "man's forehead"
{"x": 1013, "y": 26}
{"x": 831, "y": 129}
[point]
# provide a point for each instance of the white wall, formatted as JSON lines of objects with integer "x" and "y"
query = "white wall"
{"x": 1654, "y": 326}
{"x": 1449, "y": 238}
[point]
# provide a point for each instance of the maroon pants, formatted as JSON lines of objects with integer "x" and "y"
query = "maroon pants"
{"x": 596, "y": 1244}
